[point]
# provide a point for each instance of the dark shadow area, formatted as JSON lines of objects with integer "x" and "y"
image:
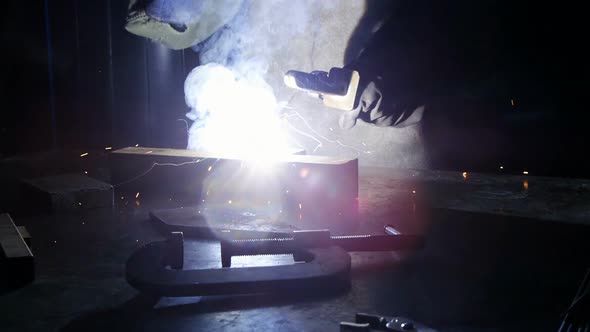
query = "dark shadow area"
{"x": 501, "y": 85}
{"x": 139, "y": 313}
{"x": 111, "y": 88}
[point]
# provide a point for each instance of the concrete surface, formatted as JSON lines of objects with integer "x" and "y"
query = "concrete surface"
{"x": 70, "y": 192}
{"x": 483, "y": 269}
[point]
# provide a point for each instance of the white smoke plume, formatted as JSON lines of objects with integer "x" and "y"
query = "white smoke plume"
{"x": 232, "y": 114}
{"x": 233, "y": 107}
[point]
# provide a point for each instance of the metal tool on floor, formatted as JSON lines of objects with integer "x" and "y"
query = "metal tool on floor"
{"x": 323, "y": 264}
{"x": 367, "y": 322}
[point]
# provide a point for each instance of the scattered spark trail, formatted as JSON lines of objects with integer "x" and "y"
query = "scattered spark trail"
{"x": 187, "y": 126}
{"x": 306, "y": 135}
{"x": 159, "y": 164}
{"x": 296, "y": 114}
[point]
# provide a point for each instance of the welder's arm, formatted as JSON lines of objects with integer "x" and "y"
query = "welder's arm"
{"x": 372, "y": 106}
{"x": 363, "y": 96}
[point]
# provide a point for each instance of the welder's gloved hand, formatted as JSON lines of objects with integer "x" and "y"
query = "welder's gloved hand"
{"x": 374, "y": 108}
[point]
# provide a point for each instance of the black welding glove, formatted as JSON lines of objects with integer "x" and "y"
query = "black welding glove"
{"x": 373, "y": 107}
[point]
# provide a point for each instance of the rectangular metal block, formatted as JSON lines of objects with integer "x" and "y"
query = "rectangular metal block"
{"x": 68, "y": 192}
{"x": 16, "y": 259}
{"x": 310, "y": 191}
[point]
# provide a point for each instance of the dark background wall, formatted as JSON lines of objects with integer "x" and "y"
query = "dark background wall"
{"x": 111, "y": 88}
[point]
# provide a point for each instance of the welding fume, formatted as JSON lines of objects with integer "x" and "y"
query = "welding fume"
{"x": 281, "y": 75}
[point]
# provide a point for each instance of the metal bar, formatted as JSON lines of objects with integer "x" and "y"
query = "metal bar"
{"x": 111, "y": 72}
{"x": 50, "y": 76}
{"x": 77, "y": 34}
{"x": 148, "y": 92}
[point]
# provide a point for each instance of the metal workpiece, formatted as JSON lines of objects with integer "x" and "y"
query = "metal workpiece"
{"x": 148, "y": 271}
{"x": 302, "y": 240}
{"x": 156, "y": 268}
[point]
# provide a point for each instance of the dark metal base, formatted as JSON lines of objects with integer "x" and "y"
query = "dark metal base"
{"x": 146, "y": 270}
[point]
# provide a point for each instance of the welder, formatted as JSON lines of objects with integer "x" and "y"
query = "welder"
{"x": 456, "y": 62}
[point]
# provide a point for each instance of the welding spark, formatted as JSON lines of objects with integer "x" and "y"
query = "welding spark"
{"x": 137, "y": 195}
{"x": 501, "y": 167}
{"x": 299, "y": 206}
{"x": 225, "y": 105}
{"x": 465, "y": 175}
{"x": 512, "y": 102}
{"x": 209, "y": 169}
{"x": 148, "y": 152}
{"x": 158, "y": 164}
{"x": 108, "y": 148}
{"x": 229, "y": 202}
{"x": 84, "y": 154}
{"x": 136, "y": 145}
{"x": 306, "y": 135}
{"x": 525, "y": 172}
{"x": 296, "y": 114}
{"x": 525, "y": 185}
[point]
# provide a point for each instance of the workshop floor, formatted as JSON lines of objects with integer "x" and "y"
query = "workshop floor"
{"x": 480, "y": 271}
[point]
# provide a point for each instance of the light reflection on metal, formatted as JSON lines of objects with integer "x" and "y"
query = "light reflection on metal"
{"x": 108, "y": 148}
{"x": 209, "y": 169}
{"x": 300, "y": 206}
{"x": 148, "y": 152}
{"x": 304, "y": 172}
{"x": 137, "y": 195}
{"x": 229, "y": 202}
{"x": 84, "y": 154}
{"x": 136, "y": 145}
{"x": 413, "y": 191}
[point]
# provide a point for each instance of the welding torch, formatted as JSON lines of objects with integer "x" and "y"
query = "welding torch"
{"x": 336, "y": 88}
